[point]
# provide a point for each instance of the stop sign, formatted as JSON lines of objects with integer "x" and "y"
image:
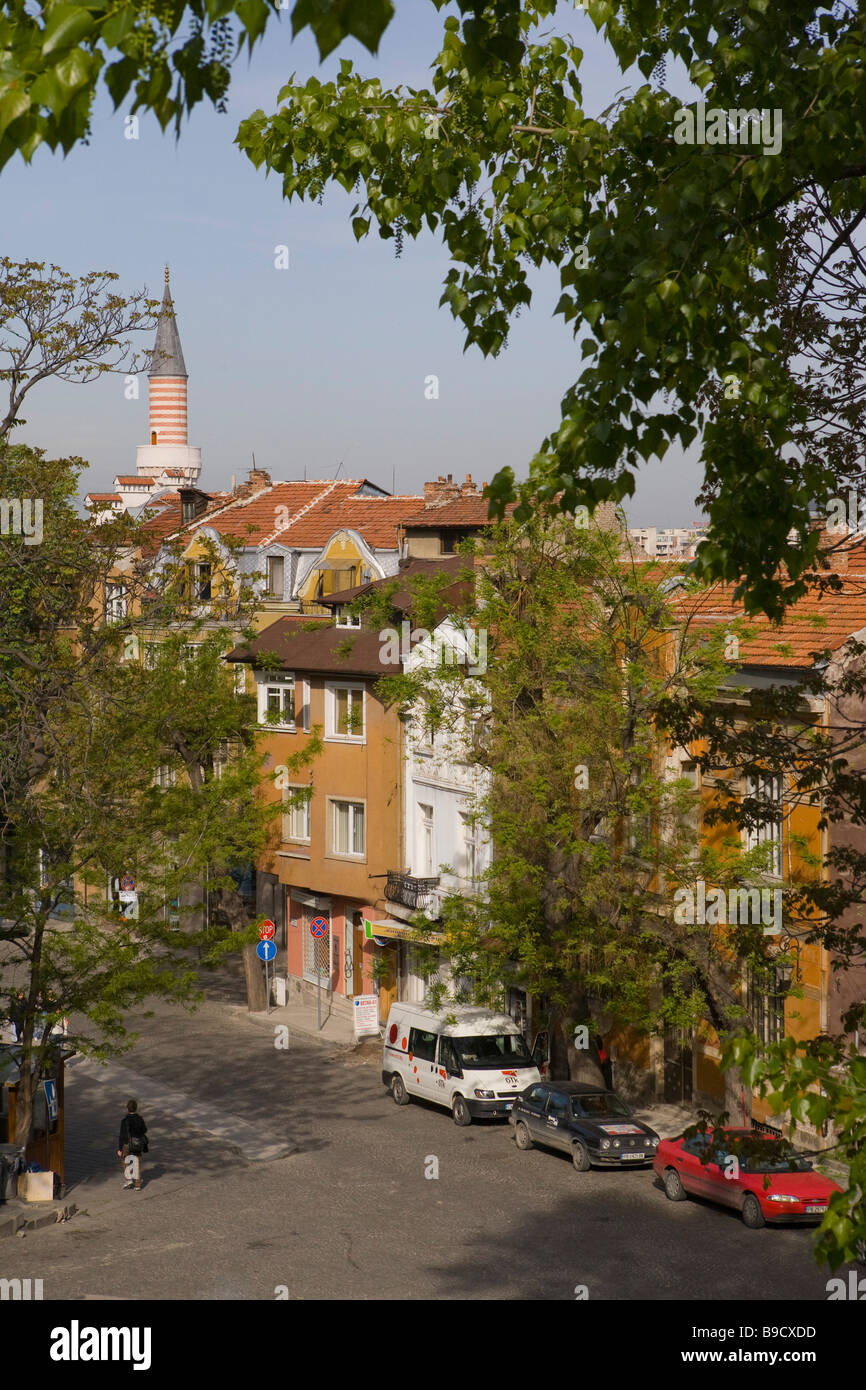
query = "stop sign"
{"x": 267, "y": 929}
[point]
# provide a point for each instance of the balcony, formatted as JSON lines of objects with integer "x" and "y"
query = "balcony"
{"x": 414, "y": 893}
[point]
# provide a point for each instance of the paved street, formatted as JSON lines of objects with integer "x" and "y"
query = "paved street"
{"x": 347, "y": 1211}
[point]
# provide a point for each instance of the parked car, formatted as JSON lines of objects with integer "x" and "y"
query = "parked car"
{"x": 779, "y": 1186}
{"x": 473, "y": 1061}
{"x": 591, "y": 1124}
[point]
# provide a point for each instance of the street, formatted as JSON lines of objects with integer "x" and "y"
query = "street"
{"x": 348, "y": 1212}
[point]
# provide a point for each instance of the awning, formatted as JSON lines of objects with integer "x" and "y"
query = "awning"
{"x": 389, "y": 927}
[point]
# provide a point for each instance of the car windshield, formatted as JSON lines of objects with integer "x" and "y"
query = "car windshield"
{"x": 786, "y": 1161}
{"x": 493, "y": 1050}
{"x": 603, "y": 1103}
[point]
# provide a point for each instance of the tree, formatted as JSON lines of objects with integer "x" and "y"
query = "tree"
{"x": 170, "y": 54}
{"x": 57, "y": 325}
{"x": 591, "y": 833}
{"x": 674, "y": 249}
{"x": 116, "y": 761}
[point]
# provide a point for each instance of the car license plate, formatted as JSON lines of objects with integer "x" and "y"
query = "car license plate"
{"x": 816, "y": 1210}
{"x": 634, "y": 1155}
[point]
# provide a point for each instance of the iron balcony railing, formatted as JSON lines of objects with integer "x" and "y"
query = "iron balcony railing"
{"x": 412, "y": 892}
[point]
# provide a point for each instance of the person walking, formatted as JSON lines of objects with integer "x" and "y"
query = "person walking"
{"x": 132, "y": 1143}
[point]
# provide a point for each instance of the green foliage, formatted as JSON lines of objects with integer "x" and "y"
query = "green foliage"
{"x": 819, "y": 1083}
{"x": 682, "y": 267}
{"x": 92, "y": 704}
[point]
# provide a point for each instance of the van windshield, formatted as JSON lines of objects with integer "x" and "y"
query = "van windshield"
{"x": 493, "y": 1050}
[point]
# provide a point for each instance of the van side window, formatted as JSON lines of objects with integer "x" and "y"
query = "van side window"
{"x": 448, "y": 1055}
{"x": 422, "y": 1045}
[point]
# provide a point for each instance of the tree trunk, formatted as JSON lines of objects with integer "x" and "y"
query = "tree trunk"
{"x": 567, "y": 1062}
{"x": 232, "y": 908}
{"x": 738, "y": 1099}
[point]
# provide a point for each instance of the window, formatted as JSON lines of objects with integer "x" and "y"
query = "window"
{"x": 348, "y": 835}
{"x": 277, "y": 701}
{"x": 165, "y": 775}
{"x": 115, "y": 603}
{"x": 448, "y": 1055}
{"x": 426, "y": 847}
{"x": 558, "y": 1105}
{"x": 197, "y": 581}
{"x": 347, "y": 619}
{"x": 296, "y": 819}
{"x": 767, "y": 788}
{"x": 345, "y": 712}
{"x": 422, "y": 1044}
{"x": 276, "y": 572}
{"x": 305, "y": 706}
{"x": 240, "y": 675}
{"x": 537, "y": 1097}
{"x": 765, "y": 1000}
{"x": 471, "y": 848}
{"x": 203, "y": 582}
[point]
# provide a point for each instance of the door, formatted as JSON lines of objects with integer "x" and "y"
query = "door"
{"x": 534, "y": 1112}
{"x": 678, "y": 1065}
{"x": 557, "y": 1133}
{"x": 423, "y": 1070}
{"x": 358, "y": 953}
{"x": 387, "y": 981}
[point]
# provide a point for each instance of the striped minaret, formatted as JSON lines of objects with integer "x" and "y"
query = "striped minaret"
{"x": 167, "y": 378}
{"x": 167, "y": 458}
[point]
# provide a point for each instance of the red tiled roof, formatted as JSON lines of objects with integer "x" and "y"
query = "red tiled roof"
{"x": 316, "y": 509}
{"x": 460, "y": 511}
{"x": 103, "y": 497}
{"x": 130, "y": 480}
{"x": 818, "y": 622}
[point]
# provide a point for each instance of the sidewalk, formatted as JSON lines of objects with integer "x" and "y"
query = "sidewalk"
{"x": 302, "y": 1018}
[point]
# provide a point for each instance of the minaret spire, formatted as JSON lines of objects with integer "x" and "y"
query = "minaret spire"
{"x": 168, "y": 451}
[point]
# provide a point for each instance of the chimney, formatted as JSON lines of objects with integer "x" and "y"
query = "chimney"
{"x": 443, "y": 490}
{"x": 469, "y": 489}
{"x": 259, "y": 478}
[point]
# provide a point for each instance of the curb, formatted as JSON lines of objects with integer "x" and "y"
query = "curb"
{"x": 20, "y": 1221}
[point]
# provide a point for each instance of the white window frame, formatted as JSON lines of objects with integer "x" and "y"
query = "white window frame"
{"x": 346, "y": 619}
{"x": 279, "y": 681}
{"x": 269, "y": 592}
{"x": 291, "y": 811}
{"x": 426, "y": 839}
{"x": 471, "y": 847}
{"x": 354, "y": 804}
{"x": 764, "y": 787}
{"x": 115, "y": 602}
{"x": 354, "y": 688}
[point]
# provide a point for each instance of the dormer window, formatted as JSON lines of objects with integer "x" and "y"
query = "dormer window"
{"x": 345, "y": 618}
{"x": 276, "y": 576}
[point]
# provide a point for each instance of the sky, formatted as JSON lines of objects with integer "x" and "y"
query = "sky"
{"x": 321, "y": 364}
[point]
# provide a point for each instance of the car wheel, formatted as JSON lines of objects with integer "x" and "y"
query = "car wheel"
{"x": 674, "y": 1190}
{"x": 398, "y": 1090}
{"x": 522, "y": 1136}
{"x": 460, "y": 1111}
{"x": 580, "y": 1156}
{"x": 752, "y": 1215}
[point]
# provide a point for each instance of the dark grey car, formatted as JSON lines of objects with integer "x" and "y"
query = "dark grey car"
{"x": 591, "y": 1124}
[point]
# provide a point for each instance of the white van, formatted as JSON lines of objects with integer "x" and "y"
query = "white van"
{"x": 475, "y": 1066}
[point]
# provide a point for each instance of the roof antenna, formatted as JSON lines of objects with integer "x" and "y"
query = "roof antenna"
{"x": 394, "y": 479}
{"x": 339, "y": 470}
{"x": 254, "y": 462}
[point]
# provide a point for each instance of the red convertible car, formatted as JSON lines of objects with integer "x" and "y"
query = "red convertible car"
{"x": 779, "y": 1186}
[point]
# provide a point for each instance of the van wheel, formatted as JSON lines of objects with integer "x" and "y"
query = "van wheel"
{"x": 460, "y": 1111}
{"x": 521, "y": 1136}
{"x": 398, "y": 1090}
{"x": 674, "y": 1190}
{"x": 752, "y": 1215}
{"x": 580, "y": 1157}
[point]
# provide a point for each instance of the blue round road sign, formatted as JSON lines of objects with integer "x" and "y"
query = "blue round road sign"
{"x": 318, "y": 927}
{"x": 266, "y": 950}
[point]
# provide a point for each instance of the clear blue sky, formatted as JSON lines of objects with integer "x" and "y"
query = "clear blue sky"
{"x": 324, "y": 362}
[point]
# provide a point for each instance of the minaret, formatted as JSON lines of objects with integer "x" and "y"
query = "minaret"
{"x": 168, "y": 459}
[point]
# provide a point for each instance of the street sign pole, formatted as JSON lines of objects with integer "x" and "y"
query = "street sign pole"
{"x": 318, "y": 929}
